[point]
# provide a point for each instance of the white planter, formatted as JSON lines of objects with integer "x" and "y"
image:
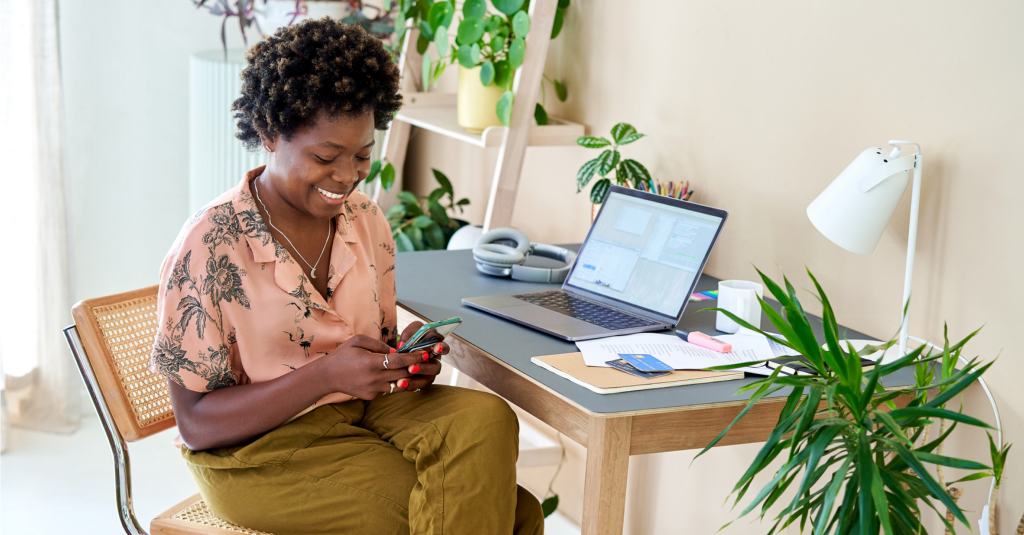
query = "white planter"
{"x": 278, "y": 13}
{"x": 216, "y": 160}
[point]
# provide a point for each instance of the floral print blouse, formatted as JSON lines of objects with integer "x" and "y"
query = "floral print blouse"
{"x": 235, "y": 307}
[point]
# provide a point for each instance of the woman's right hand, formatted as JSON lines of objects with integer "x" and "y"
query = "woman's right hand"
{"x": 358, "y": 367}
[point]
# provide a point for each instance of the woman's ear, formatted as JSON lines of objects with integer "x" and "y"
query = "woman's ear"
{"x": 268, "y": 144}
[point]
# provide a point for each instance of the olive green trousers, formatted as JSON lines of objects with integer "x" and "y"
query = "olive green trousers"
{"x": 439, "y": 461}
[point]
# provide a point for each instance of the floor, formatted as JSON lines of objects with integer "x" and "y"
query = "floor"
{"x": 64, "y": 484}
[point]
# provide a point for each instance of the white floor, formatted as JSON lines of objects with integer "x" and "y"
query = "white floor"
{"x": 65, "y": 484}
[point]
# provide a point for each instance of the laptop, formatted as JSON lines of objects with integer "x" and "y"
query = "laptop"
{"x": 634, "y": 272}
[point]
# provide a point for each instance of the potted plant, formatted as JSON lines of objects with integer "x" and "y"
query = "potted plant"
{"x": 489, "y": 45}
{"x": 422, "y": 223}
{"x": 855, "y": 452}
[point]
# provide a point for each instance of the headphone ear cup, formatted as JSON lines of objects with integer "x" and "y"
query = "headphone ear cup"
{"x": 496, "y": 253}
{"x": 491, "y": 257}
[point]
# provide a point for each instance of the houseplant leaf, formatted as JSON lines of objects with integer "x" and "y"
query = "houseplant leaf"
{"x": 443, "y": 181}
{"x": 440, "y": 15}
{"x": 621, "y": 130}
{"x": 586, "y": 172}
{"x": 470, "y": 31}
{"x": 556, "y": 25}
{"x": 504, "y": 107}
{"x": 561, "y": 91}
{"x": 502, "y": 74}
{"x": 387, "y": 176}
{"x": 474, "y": 9}
{"x": 592, "y": 142}
{"x": 516, "y": 52}
{"x": 540, "y": 114}
{"x": 403, "y": 243}
{"x": 608, "y": 159}
{"x": 600, "y": 190}
{"x": 469, "y": 55}
{"x": 507, "y": 7}
{"x": 371, "y": 175}
{"x": 486, "y": 73}
{"x": 441, "y": 41}
{"x": 520, "y": 24}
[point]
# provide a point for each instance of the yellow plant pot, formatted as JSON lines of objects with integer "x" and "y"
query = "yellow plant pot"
{"x": 477, "y": 103}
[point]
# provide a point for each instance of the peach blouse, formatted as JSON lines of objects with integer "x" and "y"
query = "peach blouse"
{"x": 235, "y": 307}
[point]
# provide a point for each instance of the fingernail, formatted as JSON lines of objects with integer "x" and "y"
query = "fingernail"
{"x": 415, "y": 368}
{"x": 426, "y": 356}
{"x": 403, "y": 383}
{"x": 400, "y": 343}
{"x": 391, "y": 350}
{"x": 438, "y": 347}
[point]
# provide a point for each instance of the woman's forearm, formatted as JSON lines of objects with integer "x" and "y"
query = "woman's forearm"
{"x": 232, "y": 415}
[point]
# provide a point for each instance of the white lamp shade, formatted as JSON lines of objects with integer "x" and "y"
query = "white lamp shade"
{"x": 855, "y": 208}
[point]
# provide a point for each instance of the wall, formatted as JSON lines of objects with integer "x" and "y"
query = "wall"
{"x": 125, "y": 73}
{"x": 761, "y": 104}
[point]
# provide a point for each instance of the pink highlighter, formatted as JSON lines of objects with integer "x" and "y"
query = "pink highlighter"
{"x": 698, "y": 338}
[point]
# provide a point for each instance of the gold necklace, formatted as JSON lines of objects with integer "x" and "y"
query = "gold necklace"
{"x": 312, "y": 267}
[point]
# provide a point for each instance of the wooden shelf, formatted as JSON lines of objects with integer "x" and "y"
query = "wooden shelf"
{"x": 436, "y": 112}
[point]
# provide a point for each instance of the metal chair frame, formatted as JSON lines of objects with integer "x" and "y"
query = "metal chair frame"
{"x": 118, "y": 447}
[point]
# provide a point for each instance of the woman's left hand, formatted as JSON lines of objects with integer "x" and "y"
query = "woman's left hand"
{"x": 425, "y": 372}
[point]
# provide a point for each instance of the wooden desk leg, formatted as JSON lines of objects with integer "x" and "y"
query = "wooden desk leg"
{"x": 604, "y": 490}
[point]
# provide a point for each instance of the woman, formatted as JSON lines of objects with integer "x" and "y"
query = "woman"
{"x": 277, "y": 327}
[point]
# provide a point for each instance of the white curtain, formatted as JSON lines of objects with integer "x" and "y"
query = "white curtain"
{"x": 43, "y": 389}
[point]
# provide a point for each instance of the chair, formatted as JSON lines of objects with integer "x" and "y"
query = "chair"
{"x": 111, "y": 342}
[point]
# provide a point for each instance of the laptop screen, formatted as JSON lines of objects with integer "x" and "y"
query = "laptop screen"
{"x": 647, "y": 253}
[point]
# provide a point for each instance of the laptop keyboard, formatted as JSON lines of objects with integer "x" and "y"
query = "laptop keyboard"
{"x": 597, "y": 314}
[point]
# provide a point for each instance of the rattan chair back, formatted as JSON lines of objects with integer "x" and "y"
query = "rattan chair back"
{"x": 117, "y": 333}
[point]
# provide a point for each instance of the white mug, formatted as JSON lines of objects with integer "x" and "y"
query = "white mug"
{"x": 740, "y": 298}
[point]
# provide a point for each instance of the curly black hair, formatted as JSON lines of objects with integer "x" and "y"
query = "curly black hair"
{"x": 314, "y": 66}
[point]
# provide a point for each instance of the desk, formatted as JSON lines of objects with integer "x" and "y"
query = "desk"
{"x": 496, "y": 353}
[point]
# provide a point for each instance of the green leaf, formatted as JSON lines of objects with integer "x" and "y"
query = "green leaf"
{"x": 507, "y": 7}
{"x": 621, "y": 130}
{"x": 504, "y": 108}
{"x": 520, "y": 24}
{"x": 387, "y": 176}
{"x": 422, "y": 221}
{"x": 425, "y": 72}
{"x": 443, "y": 181}
{"x": 469, "y": 55}
{"x": 933, "y": 486}
{"x": 585, "y": 173}
{"x": 964, "y": 464}
{"x": 395, "y": 212}
{"x": 462, "y": 202}
{"x": 403, "y": 243}
{"x": 540, "y": 114}
{"x": 435, "y": 195}
{"x": 915, "y": 413}
{"x": 549, "y": 505}
{"x": 470, "y": 31}
{"x": 881, "y": 503}
{"x": 563, "y": 4}
{"x": 439, "y": 214}
{"x": 556, "y": 25}
{"x": 592, "y": 142}
{"x": 426, "y": 30}
{"x": 516, "y": 52}
{"x": 608, "y": 159}
{"x": 561, "y": 91}
{"x": 502, "y": 74}
{"x": 441, "y": 41}
{"x": 371, "y": 175}
{"x": 635, "y": 171}
{"x": 474, "y": 9}
{"x": 415, "y": 235}
{"x": 629, "y": 138}
{"x": 829, "y": 498}
{"x": 498, "y": 43}
{"x": 440, "y": 15}
{"x": 434, "y": 237}
{"x": 422, "y": 43}
{"x": 487, "y": 73}
{"x": 600, "y": 190}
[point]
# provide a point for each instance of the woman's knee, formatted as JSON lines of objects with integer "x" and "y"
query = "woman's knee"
{"x": 529, "y": 515}
{"x": 487, "y": 413}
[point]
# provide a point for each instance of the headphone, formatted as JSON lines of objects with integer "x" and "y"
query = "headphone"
{"x": 497, "y": 259}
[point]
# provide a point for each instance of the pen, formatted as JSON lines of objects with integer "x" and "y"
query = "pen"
{"x": 698, "y": 338}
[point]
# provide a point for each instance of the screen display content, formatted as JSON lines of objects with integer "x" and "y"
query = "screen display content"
{"x": 645, "y": 253}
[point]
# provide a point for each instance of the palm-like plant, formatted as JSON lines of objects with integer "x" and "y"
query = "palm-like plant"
{"x": 856, "y": 452}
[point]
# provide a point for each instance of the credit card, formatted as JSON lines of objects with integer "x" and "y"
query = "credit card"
{"x": 645, "y": 362}
{"x": 624, "y": 366}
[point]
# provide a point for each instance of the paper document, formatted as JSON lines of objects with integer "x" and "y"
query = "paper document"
{"x": 674, "y": 351}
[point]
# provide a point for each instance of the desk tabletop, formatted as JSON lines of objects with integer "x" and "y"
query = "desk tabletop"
{"x": 432, "y": 284}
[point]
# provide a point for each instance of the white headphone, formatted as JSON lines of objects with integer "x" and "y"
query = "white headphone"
{"x": 500, "y": 260}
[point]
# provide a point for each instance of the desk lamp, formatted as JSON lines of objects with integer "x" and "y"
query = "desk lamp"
{"x": 855, "y": 208}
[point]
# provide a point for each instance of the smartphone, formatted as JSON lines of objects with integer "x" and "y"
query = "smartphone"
{"x": 417, "y": 340}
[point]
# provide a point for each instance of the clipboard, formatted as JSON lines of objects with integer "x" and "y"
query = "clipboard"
{"x": 611, "y": 381}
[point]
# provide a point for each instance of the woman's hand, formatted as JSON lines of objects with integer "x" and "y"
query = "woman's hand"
{"x": 365, "y": 367}
{"x": 425, "y": 371}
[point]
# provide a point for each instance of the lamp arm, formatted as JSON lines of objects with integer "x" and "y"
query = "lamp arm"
{"x": 915, "y": 198}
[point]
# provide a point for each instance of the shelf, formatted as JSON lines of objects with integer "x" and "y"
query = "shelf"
{"x": 436, "y": 112}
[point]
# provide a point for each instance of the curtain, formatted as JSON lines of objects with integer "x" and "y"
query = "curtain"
{"x": 42, "y": 387}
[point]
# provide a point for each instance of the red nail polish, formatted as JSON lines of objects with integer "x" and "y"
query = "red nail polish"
{"x": 391, "y": 350}
{"x": 403, "y": 383}
{"x": 438, "y": 347}
{"x": 426, "y": 356}
{"x": 415, "y": 368}
{"x": 400, "y": 342}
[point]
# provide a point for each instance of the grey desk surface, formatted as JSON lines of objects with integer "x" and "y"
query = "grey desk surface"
{"x": 432, "y": 284}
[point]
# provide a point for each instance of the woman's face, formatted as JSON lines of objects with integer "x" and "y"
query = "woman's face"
{"x": 320, "y": 165}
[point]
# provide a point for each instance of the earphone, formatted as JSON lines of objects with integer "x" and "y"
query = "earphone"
{"x": 499, "y": 260}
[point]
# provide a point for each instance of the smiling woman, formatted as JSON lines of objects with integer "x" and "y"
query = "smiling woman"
{"x": 278, "y": 333}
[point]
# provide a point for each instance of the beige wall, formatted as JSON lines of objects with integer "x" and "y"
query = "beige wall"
{"x": 760, "y": 104}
